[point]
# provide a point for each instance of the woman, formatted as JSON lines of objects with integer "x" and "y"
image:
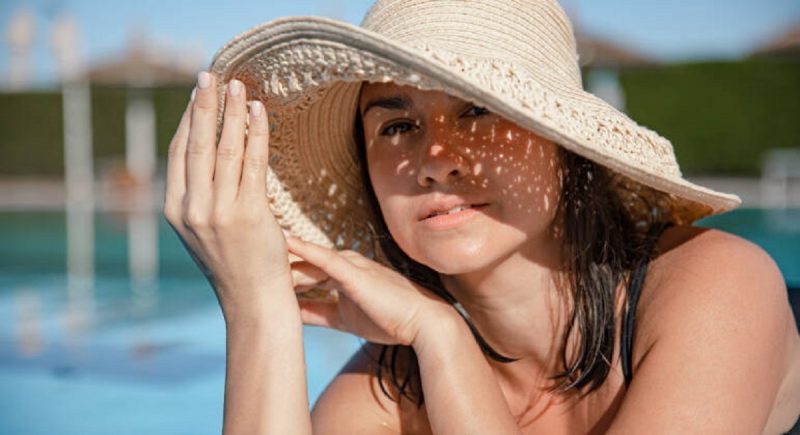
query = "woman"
{"x": 519, "y": 254}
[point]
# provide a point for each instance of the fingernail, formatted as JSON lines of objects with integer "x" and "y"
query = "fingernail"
{"x": 203, "y": 80}
{"x": 255, "y": 108}
{"x": 235, "y": 87}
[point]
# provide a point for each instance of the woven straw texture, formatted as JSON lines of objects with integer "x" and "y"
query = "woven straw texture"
{"x": 517, "y": 58}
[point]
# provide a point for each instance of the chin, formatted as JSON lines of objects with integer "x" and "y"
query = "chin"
{"x": 454, "y": 257}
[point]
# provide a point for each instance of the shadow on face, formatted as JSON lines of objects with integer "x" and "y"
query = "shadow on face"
{"x": 427, "y": 149}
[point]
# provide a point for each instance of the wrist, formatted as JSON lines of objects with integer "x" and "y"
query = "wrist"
{"x": 267, "y": 304}
{"x": 441, "y": 324}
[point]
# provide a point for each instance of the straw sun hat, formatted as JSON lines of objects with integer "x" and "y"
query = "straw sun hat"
{"x": 517, "y": 58}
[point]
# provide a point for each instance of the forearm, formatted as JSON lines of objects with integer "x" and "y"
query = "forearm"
{"x": 461, "y": 394}
{"x": 265, "y": 383}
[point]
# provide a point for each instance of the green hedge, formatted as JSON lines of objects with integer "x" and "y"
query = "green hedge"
{"x": 722, "y": 116}
{"x": 31, "y": 134}
{"x": 32, "y": 128}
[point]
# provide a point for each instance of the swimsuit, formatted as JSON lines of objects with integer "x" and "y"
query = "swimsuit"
{"x": 626, "y": 341}
{"x": 626, "y": 351}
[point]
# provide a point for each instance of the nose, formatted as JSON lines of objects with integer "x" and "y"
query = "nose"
{"x": 441, "y": 163}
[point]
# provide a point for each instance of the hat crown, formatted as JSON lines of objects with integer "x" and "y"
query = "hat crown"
{"x": 535, "y": 35}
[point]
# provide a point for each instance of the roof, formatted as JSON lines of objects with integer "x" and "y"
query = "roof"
{"x": 786, "y": 44}
{"x": 600, "y": 53}
{"x": 143, "y": 65}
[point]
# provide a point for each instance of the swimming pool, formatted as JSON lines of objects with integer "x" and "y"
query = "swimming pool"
{"x": 130, "y": 353}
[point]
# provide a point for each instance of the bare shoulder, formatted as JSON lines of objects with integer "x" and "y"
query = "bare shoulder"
{"x": 705, "y": 273}
{"x": 714, "y": 325}
{"x": 353, "y": 401}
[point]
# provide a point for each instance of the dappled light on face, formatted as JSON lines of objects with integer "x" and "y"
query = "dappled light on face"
{"x": 523, "y": 167}
{"x": 444, "y": 148}
{"x": 402, "y": 166}
{"x": 436, "y": 150}
{"x": 505, "y": 163}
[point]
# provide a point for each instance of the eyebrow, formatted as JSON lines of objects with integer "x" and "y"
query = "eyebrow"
{"x": 392, "y": 103}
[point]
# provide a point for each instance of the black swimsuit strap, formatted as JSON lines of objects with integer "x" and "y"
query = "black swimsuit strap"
{"x": 634, "y": 290}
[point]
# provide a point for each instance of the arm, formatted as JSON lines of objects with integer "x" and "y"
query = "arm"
{"x": 461, "y": 394}
{"x": 265, "y": 380}
{"x": 216, "y": 202}
{"x": 714, "y": 342}
{"x": 450, "y": 403}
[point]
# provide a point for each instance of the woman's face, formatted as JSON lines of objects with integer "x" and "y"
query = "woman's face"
{"x": 460, "y": 188}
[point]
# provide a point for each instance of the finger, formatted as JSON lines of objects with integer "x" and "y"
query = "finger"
{"x": 176, "y": 161}
{"x": 319, "y": 313}
{"x": 307, "y": 275}
{"x": 254, "y": 165}
{"x": 328, "y": 260}
{"x": 292, "y": 257}
{"x": 200, "y": 151}
{"x": 228, "y": 165}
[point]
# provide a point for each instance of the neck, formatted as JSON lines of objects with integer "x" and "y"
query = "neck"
{"x": 518, "y": 308}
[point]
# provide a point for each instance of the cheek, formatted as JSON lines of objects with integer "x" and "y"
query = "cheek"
{"x": 389, "y": 168}
{"x": 528, "y": 172}
{"x": 390, "y": 174}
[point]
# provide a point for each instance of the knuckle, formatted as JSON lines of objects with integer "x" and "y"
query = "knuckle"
{"x": 205, "y": 102}
{"x": 227, "y": 153}
{"x": 198, "y": 148}
{"x": 354, "y": 257}
{"x": 235, "y": 112}
{"x": 257, "y": 129}
{"x": 175, "y": 149}
{"x": 254, "y": 163}
{"x": 195, "y": 218}
{"x": 172, "y": 214}
{"x": 221, "y": 218}
{"x": 349, "y": 254}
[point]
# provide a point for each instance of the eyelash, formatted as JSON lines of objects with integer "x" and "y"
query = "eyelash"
{"x": 481, "y": 111}
{"x": 388, "y": 131}
{"x": 406, "y": 125}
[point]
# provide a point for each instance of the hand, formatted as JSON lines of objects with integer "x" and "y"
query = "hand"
{"x": 216, "y": 197}
{"x": 375, "y": 302}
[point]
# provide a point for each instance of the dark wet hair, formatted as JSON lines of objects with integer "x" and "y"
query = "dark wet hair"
{"x": 603, "y": 245}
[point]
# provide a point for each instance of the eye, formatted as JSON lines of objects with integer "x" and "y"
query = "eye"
{"x": 475, "y": 111}
{"x": 397, "y": 128}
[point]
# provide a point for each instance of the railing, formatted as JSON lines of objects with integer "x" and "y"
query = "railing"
{"x": 780, "y": 178}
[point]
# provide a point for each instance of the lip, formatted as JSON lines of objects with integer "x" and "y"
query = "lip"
{"x": 444, "y": 222}
{"x": 431, "y": 208}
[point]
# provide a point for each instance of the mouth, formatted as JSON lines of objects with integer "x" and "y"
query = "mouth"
{"x": 445, "y": 211}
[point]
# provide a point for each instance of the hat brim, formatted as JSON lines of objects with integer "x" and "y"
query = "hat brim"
{"x": 308, "y": 72}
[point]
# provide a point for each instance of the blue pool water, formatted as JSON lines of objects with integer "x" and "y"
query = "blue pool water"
{"x": 125, "y": 357}
{"x": 122, "y": 358}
